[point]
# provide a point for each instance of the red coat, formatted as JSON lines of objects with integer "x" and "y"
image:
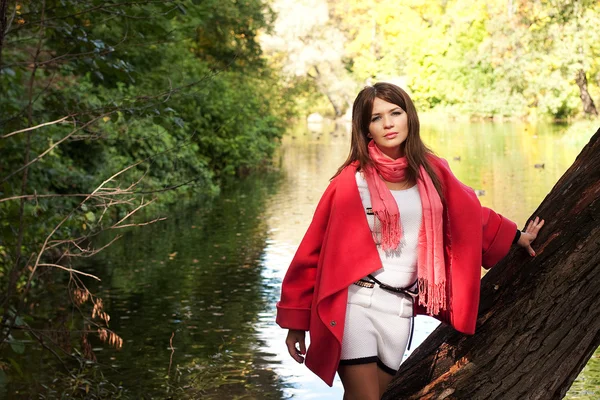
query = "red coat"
{"x": 338, "y": 249}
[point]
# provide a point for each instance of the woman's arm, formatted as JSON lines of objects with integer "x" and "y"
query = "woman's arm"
{"x": 497, "y": 238}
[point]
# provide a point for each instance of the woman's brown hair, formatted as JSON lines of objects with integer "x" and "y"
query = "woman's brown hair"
{"x": 414, "y": 149}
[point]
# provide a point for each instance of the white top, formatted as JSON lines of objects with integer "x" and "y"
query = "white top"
{"x": 399, "y": 265}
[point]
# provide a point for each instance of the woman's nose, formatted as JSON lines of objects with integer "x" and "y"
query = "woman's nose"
{"x": 388, "y": 122}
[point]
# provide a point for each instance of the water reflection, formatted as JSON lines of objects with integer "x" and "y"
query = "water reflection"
{"x": 185, "y": 295}
{"x": 503, "y": 162}
{"x": 197, "y": 278}
{"x": 194, "y": 297}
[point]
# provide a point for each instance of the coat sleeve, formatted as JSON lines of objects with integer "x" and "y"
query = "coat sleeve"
{"x": 297, "y": 288}
{"x": 498, "y": 235}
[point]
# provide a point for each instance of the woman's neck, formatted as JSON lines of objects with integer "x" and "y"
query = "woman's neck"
{"x": 392, "y": 153}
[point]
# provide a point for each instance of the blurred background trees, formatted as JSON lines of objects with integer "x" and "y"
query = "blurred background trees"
{"x": 492, "y": 59}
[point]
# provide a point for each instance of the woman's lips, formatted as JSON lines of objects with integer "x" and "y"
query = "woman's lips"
{"x": 391, "y": 135}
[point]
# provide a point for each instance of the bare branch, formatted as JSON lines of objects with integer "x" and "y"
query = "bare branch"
{"x": 57, "y": 227}
{"x": 70, "y": 270}
{"x": 140, "y": 223}
{"x": 172, "y": 352}
{"x": 129, "y": 214}
{"x": 36, "y": 127}
{"x": 52, "y": 147}
{"x": 42, "y": 196}
{"x": 89, "y": 253}
{"x": 168, "y": 188}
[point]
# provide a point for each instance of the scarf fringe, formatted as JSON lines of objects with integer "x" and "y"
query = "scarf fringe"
{"x": 432, "y": 296}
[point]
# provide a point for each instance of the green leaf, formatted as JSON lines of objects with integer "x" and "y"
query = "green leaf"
{"x": 17, "y": 346}
{"x": 90, "y": 216}
{"x": 179, "y": 122}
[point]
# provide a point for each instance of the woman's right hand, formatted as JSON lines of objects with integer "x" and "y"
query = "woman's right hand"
{"x": 296, "y": 336}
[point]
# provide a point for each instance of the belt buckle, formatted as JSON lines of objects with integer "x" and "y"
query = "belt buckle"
{"x": 365, "y": 284}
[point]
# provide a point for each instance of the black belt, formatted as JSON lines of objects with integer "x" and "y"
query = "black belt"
{"x": 371, "y": 284}
{"x": 405, "y": 291}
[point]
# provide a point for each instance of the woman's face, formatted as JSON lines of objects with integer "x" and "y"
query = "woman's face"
{"x": 388, "y": 128}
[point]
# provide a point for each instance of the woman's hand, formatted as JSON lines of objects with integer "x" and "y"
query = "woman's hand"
{"x": 529, "y": 235}
{"x": 295, "y": 336}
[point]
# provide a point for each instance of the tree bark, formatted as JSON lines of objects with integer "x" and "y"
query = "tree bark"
{"x": 3, "y": 24}
{"x": 539, "y": 318}
{"x": 588, "y": 103}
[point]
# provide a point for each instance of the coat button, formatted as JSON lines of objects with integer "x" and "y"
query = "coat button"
{"x": 332, "y": 323}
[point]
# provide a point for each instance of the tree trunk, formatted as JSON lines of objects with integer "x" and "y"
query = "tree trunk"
{"x": 586, "y": 99}
{"x": 539, "y": 318}
{"x": 323, "y": 86}
{"x": 3, "y": 24}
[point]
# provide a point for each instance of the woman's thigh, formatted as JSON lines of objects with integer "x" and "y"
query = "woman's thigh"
{"x": 361, "y": 381}
{"x": 384, "y": 379}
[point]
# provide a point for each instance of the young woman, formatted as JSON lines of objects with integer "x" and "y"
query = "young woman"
{"x": 394, "y": 234}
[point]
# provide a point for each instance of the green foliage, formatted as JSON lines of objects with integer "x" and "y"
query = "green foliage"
{"x": 482, "y": 59}
{"x": 179, "y": 90}
{"x": 181, "y": 85}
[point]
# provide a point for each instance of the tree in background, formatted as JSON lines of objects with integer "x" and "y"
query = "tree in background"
{"x": 565, "y": 30}
{"x": 498, "y": 58}
{"x": 106, "y": 107}
{"x": 307, "y": 45}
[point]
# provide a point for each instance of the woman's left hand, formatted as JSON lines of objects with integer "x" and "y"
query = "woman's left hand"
{"x": 529, "y": 235}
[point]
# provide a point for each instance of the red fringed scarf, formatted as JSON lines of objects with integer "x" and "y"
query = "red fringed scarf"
{"x": 431, "y": 269}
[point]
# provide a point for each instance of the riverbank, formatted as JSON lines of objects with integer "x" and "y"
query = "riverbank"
{"x": 193, "y": 296}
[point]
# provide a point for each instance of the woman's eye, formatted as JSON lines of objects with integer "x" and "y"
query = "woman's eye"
{"x": 396, "y": 113}
{"x": 375, "y": 119}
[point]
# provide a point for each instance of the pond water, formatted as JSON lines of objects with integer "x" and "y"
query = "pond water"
{"x": 193, "y": 297}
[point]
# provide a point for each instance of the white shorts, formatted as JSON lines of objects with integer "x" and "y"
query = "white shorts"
{"x": 377, "y": 327}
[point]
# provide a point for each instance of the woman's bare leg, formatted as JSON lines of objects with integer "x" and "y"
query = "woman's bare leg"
{"x": 361, "y": 382}
{"x": 384, "y": 380}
